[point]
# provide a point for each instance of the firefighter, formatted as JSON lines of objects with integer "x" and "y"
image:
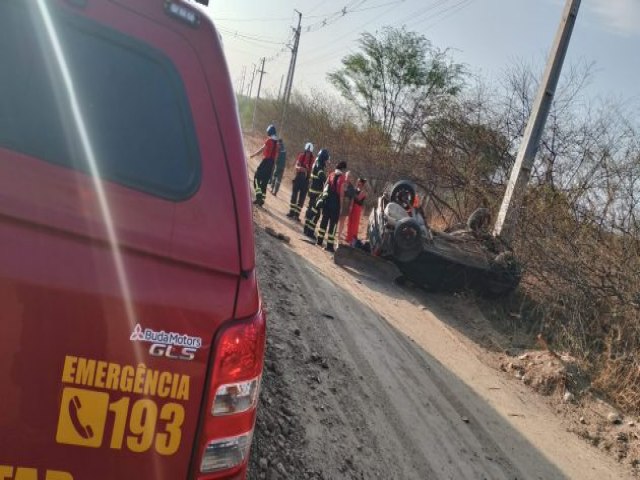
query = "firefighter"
{"x": 318, "y": 179}
{"x": 304, "y": 163}
{"x": 264, "y": 171}
{"x": 356, "y": 211}
{"x": 332, "y": 197}
{"x": 281, "y": 162}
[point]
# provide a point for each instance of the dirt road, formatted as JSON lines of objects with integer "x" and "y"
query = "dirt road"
{"x": 370, "y": 380}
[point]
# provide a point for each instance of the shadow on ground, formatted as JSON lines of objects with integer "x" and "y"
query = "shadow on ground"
{"x": 346, "y": 395}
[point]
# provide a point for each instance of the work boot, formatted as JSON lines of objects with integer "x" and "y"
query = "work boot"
{"x": 329, "y": 248}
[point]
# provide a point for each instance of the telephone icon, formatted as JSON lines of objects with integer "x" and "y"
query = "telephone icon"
{"x": 85, "y": 431}
{"x": 82, "y": 419}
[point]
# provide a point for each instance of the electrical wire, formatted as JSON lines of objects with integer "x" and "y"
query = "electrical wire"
{"x": 333, "y": 51}
{"x": 429, "y": 9}
{"x": 451, "y": 8}
{"x": 423, "y": 11}
{"x": 426, "y": 13}
{"x": 346, "y": 10}
{"x": 255, "y": 19}
{"x": 462, "y": 7}
{"x": 250, "y": 38}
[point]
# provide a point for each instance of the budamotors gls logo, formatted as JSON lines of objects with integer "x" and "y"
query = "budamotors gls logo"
{"x": 176, "y": 346}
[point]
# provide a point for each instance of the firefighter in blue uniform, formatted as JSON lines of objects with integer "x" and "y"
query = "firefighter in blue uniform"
{"x": 316, "y": 185}
{"x": 332, "y": 198}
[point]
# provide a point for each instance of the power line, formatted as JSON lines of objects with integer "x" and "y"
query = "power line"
{"x": 419, "y": 13}
{"x": 281, "y": 19}
{"x": 318, "y": 5}
{"x": 346, "y": 10}
{"x": 423, "y": 11}
{"x": 462, "y": 7}
{"x": 255, "y": 19}
{"x": 451, "y": 9}
{"x": 245, "y": 36}
{"x": 334, "y": 41}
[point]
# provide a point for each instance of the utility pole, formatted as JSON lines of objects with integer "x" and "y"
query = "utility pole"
{"x": 280, "y": 89}
{"x": 244, "y": 71}
{"x": 292, "y": 67}
{"x": 248, "y": 82}
{"x": 255, "y": 105}
{"x": 253, "y": 76}
{"x": 521, "y": 172}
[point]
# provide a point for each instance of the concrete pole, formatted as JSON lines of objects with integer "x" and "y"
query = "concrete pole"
{"x": 253, "y": 76}
{"x": 255, "y": 105}
{"x": 244, "y": 71}
{"x": 521, "y": 172}
{"x": 294, "y": 58}
{"x": 292, "y": 67}
{"x": 280, "y": 89}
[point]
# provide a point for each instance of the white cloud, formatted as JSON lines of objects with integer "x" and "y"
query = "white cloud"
{"x": 622, "y": 16}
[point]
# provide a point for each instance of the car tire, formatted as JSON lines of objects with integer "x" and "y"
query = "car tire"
{"x": 373, "y": 232}
{"x": 505, "y": 275}
{"x": 479, "y": 220}
{"x": 403, "y": 186}
{"x": 407, "y": 240}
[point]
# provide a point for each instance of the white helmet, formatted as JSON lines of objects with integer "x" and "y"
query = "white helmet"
{"x": 308, "y": 147}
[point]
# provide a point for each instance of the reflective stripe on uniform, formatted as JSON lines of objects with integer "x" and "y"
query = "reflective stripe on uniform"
{"x": 331, "y": 238}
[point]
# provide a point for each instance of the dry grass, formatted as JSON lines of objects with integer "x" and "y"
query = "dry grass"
{"x": 581, "y": 287}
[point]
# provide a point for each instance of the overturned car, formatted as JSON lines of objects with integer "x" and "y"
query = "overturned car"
{"x": 465, "y": 257}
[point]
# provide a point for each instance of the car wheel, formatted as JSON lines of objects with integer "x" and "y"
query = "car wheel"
{"x": 402, "y": 188}
{"x": 373, "y": 232}
{"x": 479, "y": 221}
{"x": 505, "y": 275}
{"x": 407, "y": 240}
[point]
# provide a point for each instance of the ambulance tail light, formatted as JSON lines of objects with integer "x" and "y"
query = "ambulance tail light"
{"x": 236, "y": 397}
{"x": 238, "y": 359}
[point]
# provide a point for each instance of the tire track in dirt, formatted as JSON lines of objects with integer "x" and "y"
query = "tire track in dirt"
{"x": 365, "y": 385}
{"x": 378, "y": 329}
{"x": 382, "y": 399}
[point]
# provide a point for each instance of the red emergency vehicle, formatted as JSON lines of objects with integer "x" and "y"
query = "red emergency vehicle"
{"x": 131, "y": 334}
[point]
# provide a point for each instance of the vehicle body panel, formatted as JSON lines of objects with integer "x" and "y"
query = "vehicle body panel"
{"x": 69, "y": 291}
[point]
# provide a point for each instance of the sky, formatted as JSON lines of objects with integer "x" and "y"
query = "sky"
{"x": 488, "y": 36}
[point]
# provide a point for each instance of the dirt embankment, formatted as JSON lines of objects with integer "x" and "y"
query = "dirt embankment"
{"x": 365, "y": 379}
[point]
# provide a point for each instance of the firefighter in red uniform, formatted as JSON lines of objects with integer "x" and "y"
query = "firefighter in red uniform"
{"x": 356, "y": 211}
{"x": 332, "y": 198}
{"x": 304, "y": 163}
{"x": 264, "y": 171}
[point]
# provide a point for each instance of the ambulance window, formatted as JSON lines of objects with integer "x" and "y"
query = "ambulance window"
{"x": 131, "y": 98}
